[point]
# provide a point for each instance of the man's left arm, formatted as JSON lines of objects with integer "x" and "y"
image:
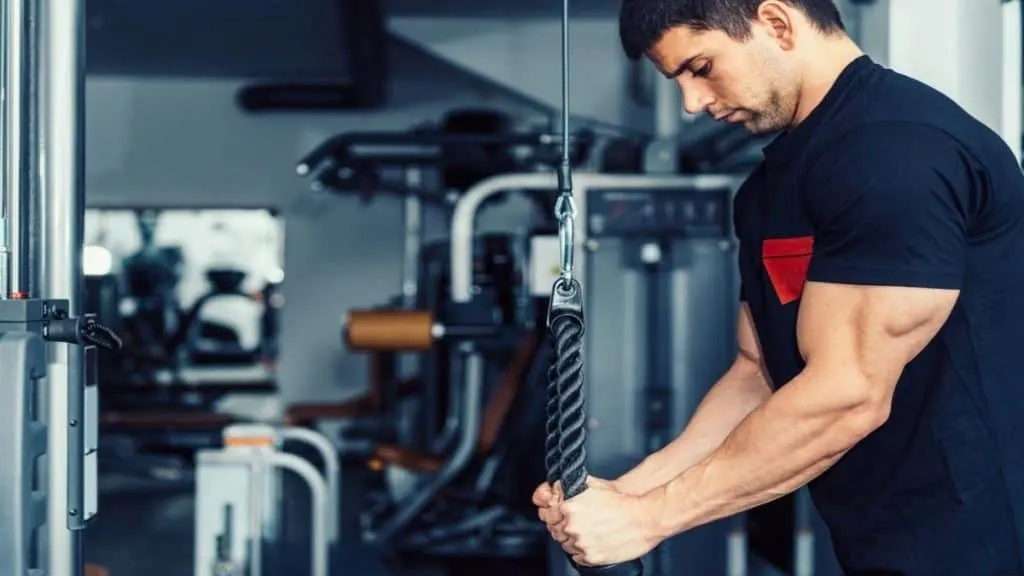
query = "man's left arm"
{"x": 856, "y": 341}
{"x": 889, "y": 256}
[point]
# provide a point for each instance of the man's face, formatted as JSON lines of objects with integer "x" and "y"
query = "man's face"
{"x": 752, "y": 82}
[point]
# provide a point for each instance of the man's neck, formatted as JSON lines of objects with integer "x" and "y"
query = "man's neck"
{"x": 822, "y": 66}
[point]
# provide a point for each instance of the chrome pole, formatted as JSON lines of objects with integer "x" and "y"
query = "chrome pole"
{"x": 5, "y": 249}
{"x": 61, "y": 198}
{"x": 17, "y": 102}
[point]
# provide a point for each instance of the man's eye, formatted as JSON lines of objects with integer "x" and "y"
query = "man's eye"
{"x": 703, "y": 71}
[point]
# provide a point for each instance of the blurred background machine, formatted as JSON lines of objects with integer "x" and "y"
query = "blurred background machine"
{"x": 196, "y": 295}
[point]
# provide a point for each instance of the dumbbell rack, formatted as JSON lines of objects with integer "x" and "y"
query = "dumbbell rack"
{"x": 239, "y": 499}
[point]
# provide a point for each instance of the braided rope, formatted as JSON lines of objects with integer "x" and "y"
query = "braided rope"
{"x": 567, "y": 373}
{"x": 552, "y": 452}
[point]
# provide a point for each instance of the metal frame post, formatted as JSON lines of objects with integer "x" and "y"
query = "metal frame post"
{"x": 61, "y": 72}
{"x": 17, "y": 42}
{"x": 413, "y": 242}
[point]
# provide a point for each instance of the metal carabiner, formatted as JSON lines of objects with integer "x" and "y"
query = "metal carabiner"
{"x": 565, "y": 212}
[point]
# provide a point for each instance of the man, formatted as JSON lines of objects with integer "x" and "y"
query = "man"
{"x": 882, "y": 323}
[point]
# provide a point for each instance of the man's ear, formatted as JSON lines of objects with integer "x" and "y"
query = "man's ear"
{"x": 776, "y": 19}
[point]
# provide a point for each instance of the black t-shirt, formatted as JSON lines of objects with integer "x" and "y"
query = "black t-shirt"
{"x": 888, "y": 182}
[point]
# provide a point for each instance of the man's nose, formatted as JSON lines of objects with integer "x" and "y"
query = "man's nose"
{"x": 695, "y": 100}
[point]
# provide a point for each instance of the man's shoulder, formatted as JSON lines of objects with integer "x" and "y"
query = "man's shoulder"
{"x": 866, "y": 148}
{"x": 886, "y": 95}
{"x": 892, "y": 111}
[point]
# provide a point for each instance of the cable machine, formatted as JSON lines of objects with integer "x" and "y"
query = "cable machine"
{"x": 48, "y": 490}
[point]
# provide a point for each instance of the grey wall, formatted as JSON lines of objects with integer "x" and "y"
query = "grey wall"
{"x": 524, "y": 54}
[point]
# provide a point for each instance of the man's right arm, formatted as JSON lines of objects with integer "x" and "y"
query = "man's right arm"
{"x": 737, "y": 393}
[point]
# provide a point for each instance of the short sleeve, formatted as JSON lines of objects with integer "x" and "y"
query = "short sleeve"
{"x": 889, "y": 205}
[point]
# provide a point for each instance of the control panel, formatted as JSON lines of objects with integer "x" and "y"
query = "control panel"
{"x": 687, "y": 212}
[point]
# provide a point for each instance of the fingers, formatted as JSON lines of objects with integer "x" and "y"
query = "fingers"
{"x": 549, "y": 500}
{"x": 547, "y": 495}
{"x": 573, "y": 548}
{"x": 558, "y": 526}
{"x": 542, "y": 495}
{"x": 551, "y": 515}
{"x": 554, "y": 520}
{"x": 554, "y": 510}
{"x": 559, "y": 535}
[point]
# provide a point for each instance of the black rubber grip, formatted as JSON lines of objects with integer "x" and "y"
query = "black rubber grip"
{"x": 631, "y": 568}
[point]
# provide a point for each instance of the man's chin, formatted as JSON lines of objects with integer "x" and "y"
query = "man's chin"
{"x": 757, "y": 129}
{"x": 743, "y": 119}
{"x": 754, "y": 129}
{"x": 751, "y": 123}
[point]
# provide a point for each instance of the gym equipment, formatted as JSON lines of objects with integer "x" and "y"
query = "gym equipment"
{"x": 161, "y": 398}
{"x": 25, "y": 327}
{"x": 497, "y": 335}
{"x": 49, "y": 488}
{"x": 24, "y": 359}
{"x": 386, "y": 333}
{"x": 467, "y": 145}
{"x": 463, "y": 165}
{"x": 373, "y": 414}
{"x": 102, "y": 297}
{"x": 565, "y": 428}
{"x": 659, "y": 254}
{"x": 394, "y": 329}
{"x": 213, "y": 344}
{"x": 151, "y": 277}
{"x": 464, "y": 498}
{"x": 354, "y": 160}
{"x": 238, "y": 503}
{"x": 270, "y": 323}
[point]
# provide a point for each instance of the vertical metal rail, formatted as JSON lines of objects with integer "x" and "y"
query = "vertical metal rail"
{"x": 16, "y": 77}
{"x": 61, "y": 209}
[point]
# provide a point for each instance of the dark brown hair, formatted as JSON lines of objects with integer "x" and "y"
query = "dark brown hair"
{"x": 643, "y": 22}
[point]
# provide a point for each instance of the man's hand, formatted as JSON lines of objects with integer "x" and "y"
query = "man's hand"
{"x": 601, "y": 526}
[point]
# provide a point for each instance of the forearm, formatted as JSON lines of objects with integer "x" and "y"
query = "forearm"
{"x": 727, "y": 403}
{"x": 788, "y": 441}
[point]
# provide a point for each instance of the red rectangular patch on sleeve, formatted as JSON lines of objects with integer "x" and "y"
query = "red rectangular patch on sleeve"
{"x": 787, "y": 260}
